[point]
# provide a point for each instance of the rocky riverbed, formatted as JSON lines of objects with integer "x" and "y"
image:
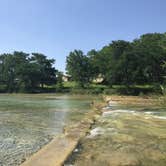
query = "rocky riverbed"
{"x": 126, "y": 134}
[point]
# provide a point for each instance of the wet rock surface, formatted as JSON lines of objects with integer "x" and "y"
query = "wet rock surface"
{"x": 125, "y": 137}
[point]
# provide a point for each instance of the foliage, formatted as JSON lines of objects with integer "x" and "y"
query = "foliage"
{"x": 24, "y": 72}
{"x": 122, "y": 65}
{"x": 79, "y": 67}
{"x": 141, "y": 61}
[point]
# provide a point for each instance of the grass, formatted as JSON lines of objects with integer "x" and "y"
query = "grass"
{"x": 72, "y": 87}
{"x": 70, "y": 84}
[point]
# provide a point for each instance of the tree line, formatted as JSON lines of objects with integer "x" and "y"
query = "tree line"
{"x": 141, "y": 61}
{"x": 20, "y": 71}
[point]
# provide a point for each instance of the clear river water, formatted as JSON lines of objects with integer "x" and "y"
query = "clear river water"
{"x": 28, "y": 122}
{"x": 122, "y": 135}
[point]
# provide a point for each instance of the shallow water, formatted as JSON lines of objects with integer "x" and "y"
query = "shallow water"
{"x": 27, "y": 122}
{"x": 125, "y": 136}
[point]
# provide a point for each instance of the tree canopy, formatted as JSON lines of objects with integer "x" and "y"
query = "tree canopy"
{"x": 121, "y": 62}
{"x": 138, "y": 62}
{"x": 22, "y": 71}
{"x": 79, "y": 67}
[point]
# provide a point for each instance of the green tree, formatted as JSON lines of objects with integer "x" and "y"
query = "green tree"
{"x": 79, "y": 67}
{"x": 152, "y": 51}
{"x": 46, "y": 72}
{"x": 115, "y": 73}
{"x": 20, "y": 71}
{"x": 100, "y": 61}
{"x": 8, "y": 73}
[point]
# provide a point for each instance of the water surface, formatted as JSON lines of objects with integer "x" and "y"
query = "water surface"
{"x": 27, "y": 122}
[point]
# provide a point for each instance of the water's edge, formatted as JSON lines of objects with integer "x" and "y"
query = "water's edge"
{"x": 56, "y": 152}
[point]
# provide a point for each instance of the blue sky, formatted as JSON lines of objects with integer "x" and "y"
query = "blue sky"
{"x": 56, "y": 27}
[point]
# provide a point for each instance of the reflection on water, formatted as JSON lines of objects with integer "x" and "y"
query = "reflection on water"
{"x": 125, "y": 137}
{"x": 27, "y": 122}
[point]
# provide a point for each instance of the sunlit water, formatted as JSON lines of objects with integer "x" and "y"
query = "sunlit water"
{"x": 27, "y": 122}
{"x": 125, "y": 136}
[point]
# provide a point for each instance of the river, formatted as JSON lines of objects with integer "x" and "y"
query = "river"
{"x": 28, "y": 122}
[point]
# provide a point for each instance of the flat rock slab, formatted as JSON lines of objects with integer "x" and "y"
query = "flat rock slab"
{"x": 59, "y": 149}
{"x": 53, "y": 154}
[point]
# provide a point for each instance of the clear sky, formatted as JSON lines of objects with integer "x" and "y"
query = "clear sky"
{"x": 56, "y": 27}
